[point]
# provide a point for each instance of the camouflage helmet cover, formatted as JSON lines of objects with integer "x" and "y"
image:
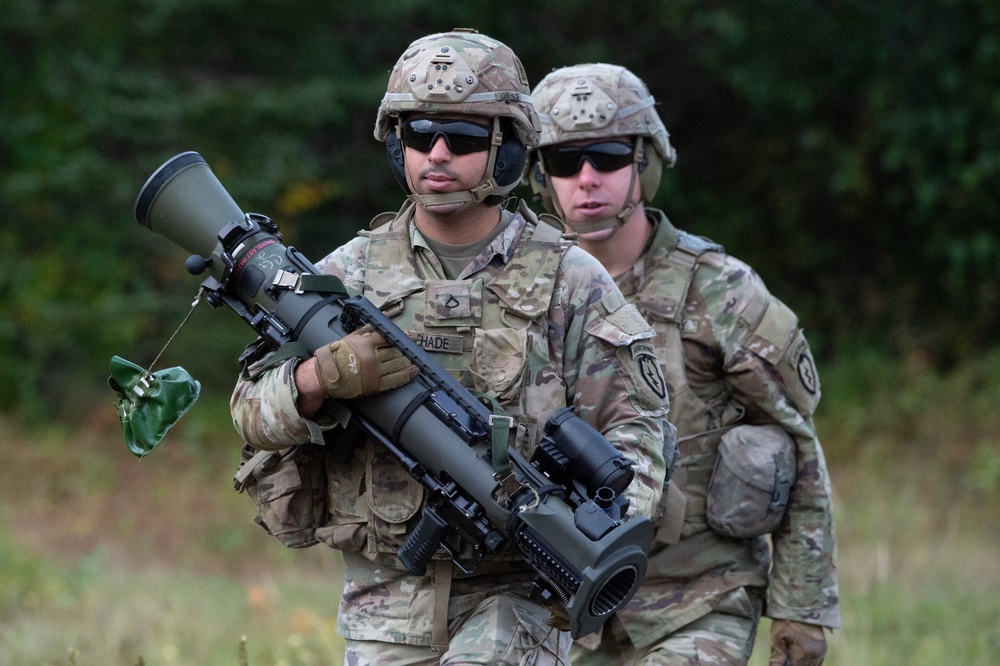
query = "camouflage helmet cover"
{"x": 598, "y": 101}
{"x": 460, "y": 72}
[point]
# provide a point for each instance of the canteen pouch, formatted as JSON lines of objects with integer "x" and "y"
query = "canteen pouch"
{"x": 750, "y": 483}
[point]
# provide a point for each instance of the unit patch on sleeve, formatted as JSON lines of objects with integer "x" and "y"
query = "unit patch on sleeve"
{"x": 649, "y": 368}
{"x": 806, "y": 369}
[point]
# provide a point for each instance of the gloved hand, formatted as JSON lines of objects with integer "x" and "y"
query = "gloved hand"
{"x": 797, "y": 644}
{"x": 361, "y": 363}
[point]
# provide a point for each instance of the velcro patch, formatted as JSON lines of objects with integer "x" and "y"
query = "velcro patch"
{"x": 448, "y": 344}
{"x": 630, "y": 321}
{"x": 798, "y": 369}
{"x": 805, "y": 367}
{"x": 649, "y": 368}
{"x": 642, "y": 349}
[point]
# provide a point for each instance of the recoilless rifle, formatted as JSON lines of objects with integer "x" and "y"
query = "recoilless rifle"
{"x": 561, "y": 510}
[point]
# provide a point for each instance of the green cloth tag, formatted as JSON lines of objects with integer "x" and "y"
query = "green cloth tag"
{"x": 150, "y": 404}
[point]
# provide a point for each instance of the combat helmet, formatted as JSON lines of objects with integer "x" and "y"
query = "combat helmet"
{"x": 463, "y": 72}
{"x": 598, "y": 101}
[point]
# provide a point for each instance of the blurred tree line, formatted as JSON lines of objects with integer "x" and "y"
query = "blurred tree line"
{"x": 847, "y": 149}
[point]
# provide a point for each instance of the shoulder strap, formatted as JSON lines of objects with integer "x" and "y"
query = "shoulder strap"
{"x": 697, "y": 245}
{"x": 539, "y": 254}
{"x": 664, "y": 297}
{"x": 382, "y": 219}
{"x": 390, "y": 274}
{"x": 252, "y": 371}
{"x": 548, "y": 227}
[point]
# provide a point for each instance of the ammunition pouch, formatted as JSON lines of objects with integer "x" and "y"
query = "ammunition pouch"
{"x": 750, "y": 483}
{"x": 289, "y": 489}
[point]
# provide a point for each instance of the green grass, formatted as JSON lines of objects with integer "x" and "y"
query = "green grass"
{"x": 94, "y": 613}
{"x": 915, "y": 464}
{"x": 920, "y": 576}
{"x": 106, "y": 559}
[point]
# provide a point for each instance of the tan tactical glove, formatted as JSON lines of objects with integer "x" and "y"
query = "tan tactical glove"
{"x": 797, "y": 644}
{"x": 361, "y": 363}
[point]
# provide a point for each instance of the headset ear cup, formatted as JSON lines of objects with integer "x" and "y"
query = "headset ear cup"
{"x": 534, "y": 177}
{"x": 650, "y": 171}
{"x": 394, "y": 151}
{"x": 538, "y": 181}
{"x": 537, "y": 176}
{"x": 511, "y": 157}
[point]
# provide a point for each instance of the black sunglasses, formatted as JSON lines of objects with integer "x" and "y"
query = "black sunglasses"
{"x": 565, "y": 161}
{"x": 462, "y": 136}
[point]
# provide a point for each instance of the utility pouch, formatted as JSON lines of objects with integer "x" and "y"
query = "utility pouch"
{"x": 289, "y": 489}
{"x": 750, "y": 483}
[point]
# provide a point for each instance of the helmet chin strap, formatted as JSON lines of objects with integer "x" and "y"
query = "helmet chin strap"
{"x": 487, "y": 186}
{"x": 615, "y": 221}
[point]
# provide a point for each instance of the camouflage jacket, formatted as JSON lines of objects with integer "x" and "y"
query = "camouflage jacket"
{"x": 731, "y": 353}
{"x": 533, "y": 321}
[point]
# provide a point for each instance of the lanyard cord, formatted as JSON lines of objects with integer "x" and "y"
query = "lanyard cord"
{"x": 194, "y": 304}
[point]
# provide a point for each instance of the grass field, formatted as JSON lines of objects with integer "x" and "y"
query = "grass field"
{"x": 106, "y": 559}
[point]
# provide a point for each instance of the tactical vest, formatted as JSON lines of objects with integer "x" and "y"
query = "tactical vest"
{"x": 490, "y": 332}
{"x": 692, "y": 567}
{"x": 662, "y": 292}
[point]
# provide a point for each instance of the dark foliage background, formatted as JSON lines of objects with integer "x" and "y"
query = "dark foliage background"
{"x": 848, "y": 150}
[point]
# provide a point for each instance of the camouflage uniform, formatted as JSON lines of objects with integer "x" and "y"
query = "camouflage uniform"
{"x": 564, "y": 341}
{"x": 532, "y": 321}
{"x": 732, "y": 354}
